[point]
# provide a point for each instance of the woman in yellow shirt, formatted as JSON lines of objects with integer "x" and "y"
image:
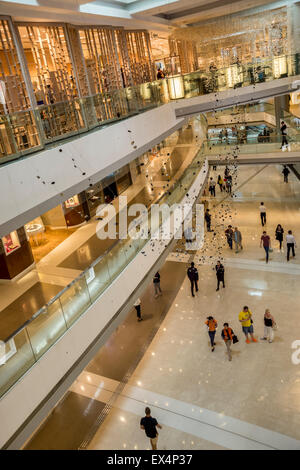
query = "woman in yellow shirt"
{"x": 247, "y": 326}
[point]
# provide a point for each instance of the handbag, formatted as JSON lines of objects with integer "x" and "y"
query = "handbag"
{"x": 235, "y": 339}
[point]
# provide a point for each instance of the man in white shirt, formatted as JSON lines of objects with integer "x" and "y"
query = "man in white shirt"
{"x": 137, "y": 306}
{"x": 290, "y": 244}
{"x": 263, "y": 214}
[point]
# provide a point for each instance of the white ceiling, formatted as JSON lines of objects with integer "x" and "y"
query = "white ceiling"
{"x": 155, "y": 15}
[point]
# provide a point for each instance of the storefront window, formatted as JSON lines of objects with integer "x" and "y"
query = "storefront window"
{"x": 72, "y": 202}
{"x": 11, "y": 242}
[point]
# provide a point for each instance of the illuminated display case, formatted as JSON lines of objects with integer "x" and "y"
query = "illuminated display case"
{"x": 11, "y": 242}
{"x": 72, "y": 202}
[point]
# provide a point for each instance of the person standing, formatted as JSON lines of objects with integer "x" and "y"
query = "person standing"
{"x": 227, "y": 335}
{"x": 283, "y": 130}
{"x": 220, "y": 274}
{"x": 212, "y": 325}
{"x": 137, "y": 306}
{"x": 220, "y": 183}
{"x": 229, "y": 184}
{"x": 285, "y": 173}
{"x": 229, "y": 236}
{"x": 237, "y": 240}
{"x": 265, "y": 241}
{"x": 149, "y": 425}
{"x": 290, "y": 244}
{"x": 212, "y": 187}
{"x": 263, "y": 214}
{"x": 156, "y": 283}
{"x": 269, "y": 324}
{"x": 245, "y": 318}
{"x": 193, "y": 276}
{"x": 279, "y": 235}
{"x": 207, "y": 217}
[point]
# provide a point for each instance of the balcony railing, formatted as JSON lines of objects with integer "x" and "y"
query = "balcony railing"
{"x": 28, "y": 131}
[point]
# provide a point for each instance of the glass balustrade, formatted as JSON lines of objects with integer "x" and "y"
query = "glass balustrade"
{"x": 22, "y": 349}
{"x": 28, "y": 131}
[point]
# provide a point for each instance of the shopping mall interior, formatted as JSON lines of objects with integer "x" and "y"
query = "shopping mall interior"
{"x": 109, "y": 111}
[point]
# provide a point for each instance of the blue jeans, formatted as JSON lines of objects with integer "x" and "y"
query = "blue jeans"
{"x": 267, "y": 252}
{"x": 212, "y": 337}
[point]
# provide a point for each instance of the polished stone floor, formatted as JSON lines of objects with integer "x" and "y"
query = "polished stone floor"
{"x": 202, "y": 400}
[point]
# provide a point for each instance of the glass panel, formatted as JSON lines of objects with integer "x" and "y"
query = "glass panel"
{"x": 44, "y": 330}
{"x": 16, "y": 357}
{"x": 116, "y": 259}
{"x": 97, "y": 278}
{"x": 75, "y": 300}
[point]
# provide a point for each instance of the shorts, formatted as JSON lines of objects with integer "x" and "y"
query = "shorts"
{"x": 154, "y": 441}
{"x": 248, "y": 329}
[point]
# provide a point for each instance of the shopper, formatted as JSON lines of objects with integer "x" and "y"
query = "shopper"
{"x": 263, "y": 214}
{"x": 290, "y": 244}
{"x": 207, "y": 217}
{"x": 245, "y": 318}
{"x": 229, "y": 236}
{"x": 156, "y": 283}
{"x": 265, "y": 241}
{"x": 279, "y": 235}
{"x": 212, "y": 187}
{"x": 212, "y": 325}
{"x": 285, "y": 173}
{"x": 193, "y": 276}
{"x": 149, "y": 425}
{"x": 220, "y": 274}
{"x": 137, "y": 306}
{"x": 227, "y": 335}
{"x": 229, "y": 184}
{"x": 269, "y": 325}
{"x": 220, "y": 183}
{"x": 237, "y": 240}
{"x": 283, "y": 130}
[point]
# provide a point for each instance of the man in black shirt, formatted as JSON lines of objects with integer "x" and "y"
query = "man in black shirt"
{"x": 285, "y": 173}
{"x": 149, "y": 425}
{"x": 220, "y": 274}
{"x": 207, "y": 218}
{"x": 193, "y": 276}
{"x": 283, "y": 130}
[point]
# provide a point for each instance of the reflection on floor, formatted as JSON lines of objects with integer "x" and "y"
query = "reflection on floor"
{"x": 49, "y": 241}
{"x": 202, "y": 400}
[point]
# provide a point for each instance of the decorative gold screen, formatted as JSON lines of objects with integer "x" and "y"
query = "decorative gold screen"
{"x": 49, "y": 62}
{"x": 13, "y": 93}
{"x": 139, "y": 54}
{"x": 187, "y": 53}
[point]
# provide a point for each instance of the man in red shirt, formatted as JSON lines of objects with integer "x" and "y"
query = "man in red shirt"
{"x": 265, "y": 241}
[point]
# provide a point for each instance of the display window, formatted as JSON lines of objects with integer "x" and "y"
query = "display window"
{"x": 72, "y": 202}
{"x": 11, "y": 242}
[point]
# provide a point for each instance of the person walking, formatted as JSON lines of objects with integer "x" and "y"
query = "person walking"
{"x": 290, "y": 244}
{"x": 263, "y": 214}
{"x": 283, "y": 130}
{"x": 212, "y": 187}
{"x": 220, "y": 274}
{"x": 227, "y": 335}
{"x": 229, "y": 236}
{"x": 285, "y": 173}
{"x": 220, "y": 183}
{"x": 212, "y": 325}
{"x": 265, "y": 241}
{"x": 269, "y": 325}
{"x": 149, "y": 425}
{"x": 193, "y": 276}
{"x": 156, "y": 283}
{"x": 137, "y": 306}
{"x": 207, "y": 217}
{"x": 279, "y": 235}
{"x": 245, "y": 318}
{"x": 229, "y": 184}
{"x": 237, "y": 240}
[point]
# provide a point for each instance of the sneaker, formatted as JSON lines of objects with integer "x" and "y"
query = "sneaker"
{"x": 212, "y": 349}
{"x": 248, "y": 341}
{"x": 217, "y": 289}
{"x": 254, "y": 340}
